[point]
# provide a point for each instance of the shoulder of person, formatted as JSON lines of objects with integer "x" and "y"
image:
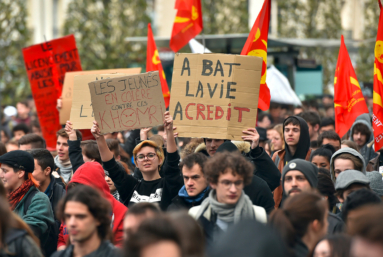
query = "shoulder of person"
{"x": 194, "y": 210}
{"x": 260, "y": 214}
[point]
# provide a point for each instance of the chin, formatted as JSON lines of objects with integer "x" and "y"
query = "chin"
{"x": 231, "y": 201}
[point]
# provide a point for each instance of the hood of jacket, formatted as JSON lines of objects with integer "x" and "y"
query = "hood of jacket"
{"x": 92, "y": 174}
{"x": 304, "y": 141}
{"x": 243, "y": 147}
{"x": 345, "y": 150}
{"x": 363, "y": 119}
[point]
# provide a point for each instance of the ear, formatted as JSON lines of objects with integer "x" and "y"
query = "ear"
{"x": 21, "y": 174}
{"x": 316, "y": 225}
{"x": 316, "y": 127}
{"x": 47, "y": 171}
{"x": 214, "y": 186}
{"x": 118, "y": 158}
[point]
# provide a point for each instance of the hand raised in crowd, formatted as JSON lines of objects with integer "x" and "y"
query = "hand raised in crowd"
{"x": 168, "y": 124}
{"x": 144, "y": 133}
{"x": 251, "y": 135}
{"x": 95, "y": 130}
{"x": 70, "y": 131}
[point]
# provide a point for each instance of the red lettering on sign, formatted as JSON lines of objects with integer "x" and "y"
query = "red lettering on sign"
{"x": 186, "y": 111}
{"x": 240, "y": 110}
{"x": 200, "y": 108}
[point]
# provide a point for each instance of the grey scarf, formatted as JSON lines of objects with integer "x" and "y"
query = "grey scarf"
{"x": 243, "y": 209}
{"x": 65, "y": 169}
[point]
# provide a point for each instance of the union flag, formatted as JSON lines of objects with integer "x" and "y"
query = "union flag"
{"x": 187, "y": 24}
{"x": 349, "y": 102}
{"x": 153, "y": 63}
{"x": 377, "y": 116}
{"x": 256, "y": 45}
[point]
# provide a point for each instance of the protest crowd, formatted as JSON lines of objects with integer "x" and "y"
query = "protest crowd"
{"x": 193, "y": 172}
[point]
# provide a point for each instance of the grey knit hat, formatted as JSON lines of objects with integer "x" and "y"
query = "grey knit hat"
{"x": 349, "y": 177}
{"x": 307, "y": 168}
{"x": 376, "y": 182}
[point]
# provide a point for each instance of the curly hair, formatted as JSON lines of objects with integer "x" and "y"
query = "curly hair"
{"x": 221, "y": 163}
{"x": 97, "y": 205}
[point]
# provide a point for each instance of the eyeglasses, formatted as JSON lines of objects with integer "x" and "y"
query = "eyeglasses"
{"x": 227, "y": 184}
{"x": 149, "y": 156}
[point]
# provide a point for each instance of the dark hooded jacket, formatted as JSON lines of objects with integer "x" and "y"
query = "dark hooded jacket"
{"x": 282, "y": 157}
{"x": 367, "y": 150}
{"x": 106, "y": 249}
{"x": 92, "y": 174}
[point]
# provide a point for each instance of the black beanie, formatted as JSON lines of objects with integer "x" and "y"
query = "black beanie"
{"x": 19, "y": 159}
{"x": 307, "y": 168}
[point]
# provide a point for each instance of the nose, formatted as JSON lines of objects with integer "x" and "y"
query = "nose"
{"x": 107, "y": 179}
{"x": 293, "y": 182}
{"x": 232, "y": 188}
{"x": 189, "y": 182}
{"x": 71, "y": 221}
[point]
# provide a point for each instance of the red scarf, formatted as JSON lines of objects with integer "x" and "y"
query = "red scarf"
{"x": 15, "y": 197}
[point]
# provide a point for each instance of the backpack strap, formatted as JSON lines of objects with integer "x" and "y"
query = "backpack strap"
{"x": 260, "y": 214}
{"x": 28, "y": 200}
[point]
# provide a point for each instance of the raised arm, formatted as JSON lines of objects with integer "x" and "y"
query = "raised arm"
{"x": 75, "y": 151}
{"x": 171, "y": 145}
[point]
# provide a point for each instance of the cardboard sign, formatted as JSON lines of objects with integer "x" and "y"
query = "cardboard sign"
{"x": 128, "y": 102}
{"x": 67, "y": 92}
{"x": 81, "y": 114}
{"x": 215, "y": 95}
{"x": 46, "y": 65}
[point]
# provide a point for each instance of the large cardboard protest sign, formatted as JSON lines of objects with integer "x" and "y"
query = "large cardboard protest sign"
{"x": 128, "y": 102}
{"x": 215, "y": 95}
{"x": 46, "y": 65}
{"x": 68, "y": 89}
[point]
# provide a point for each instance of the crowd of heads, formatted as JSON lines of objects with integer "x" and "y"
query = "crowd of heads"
{"x": 293, "y": 187}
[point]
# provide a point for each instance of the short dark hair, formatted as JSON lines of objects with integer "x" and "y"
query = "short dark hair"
{"x": 262, "y": 115}
{"x": 194, "y": 158}
{"x": 20, "y": 126}
{"x": 358, "y": 199}
{"x": 311, "y": 117}
{"x": 350, "y": 144}
{"x": 142, "y": 208}
{"x": 327, "y": 121}
{"x": 62, "y": 133}
{"x": 97, "y": 205}
{"x": 3, "y": 149}
{"x": 291, "y": 120}
{"x": 363, "y": 129}
{"x": 314, "y": 144}
{"x": 322, "y": 152}
{"x": 221, "y": 162}
{"x": 151, "y": 231}
{"x": 35, "y": 123}
{"x": 24, "y": 102}
{"x": 113, "y": 146}
{"x": 358, "y": 163}
{"x": 90, "y": 150}
{"x": 332, "y": 135}
{"x": 326, "y": 188}
{"x": 36, "y": 141}
{"x": 44, "y": 158}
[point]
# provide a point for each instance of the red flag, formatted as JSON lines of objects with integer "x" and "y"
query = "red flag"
{"x": 153, "y": 63}
{"x": 187, "y": 24}
{"x": 349, "y": 102}
{"x": 256, "y": 45}
{"x": 46, "y": 65}
{"x": 377, "y": 116}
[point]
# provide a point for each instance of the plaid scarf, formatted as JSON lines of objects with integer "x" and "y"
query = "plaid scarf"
{"x": 16, "y": 196}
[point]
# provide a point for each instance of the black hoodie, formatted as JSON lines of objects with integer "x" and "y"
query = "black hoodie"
{"x": 303, "y": 144}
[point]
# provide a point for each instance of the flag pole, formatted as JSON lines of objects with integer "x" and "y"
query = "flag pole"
{"x": 203, "y": 41}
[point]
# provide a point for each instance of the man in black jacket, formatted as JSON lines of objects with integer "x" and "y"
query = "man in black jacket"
{"x": 87, "y": 217}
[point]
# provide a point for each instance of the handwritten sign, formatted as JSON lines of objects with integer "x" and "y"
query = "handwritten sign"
{"x": 68, "y": 91}
{"x": 215, "y": 95}
{"x": 46, "y": 65}
{"x": 128, "y": 102}
{"x": 81, "y": 114}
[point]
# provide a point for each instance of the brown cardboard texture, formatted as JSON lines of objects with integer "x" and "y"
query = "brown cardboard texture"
{"x": 81, "y": 114}
{"x": 215, "y": 95}
{"x": 67, "y": 93}
{"x": 128, "y": 102}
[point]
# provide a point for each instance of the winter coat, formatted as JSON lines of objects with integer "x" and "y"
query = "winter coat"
{"x": 39, "y": 215}
{"x": 160, "y": 191}
{"x": 367, "y": 150}
{"x": 345, "y": 150}
{"x": 335, "y": 224}
{"x": 20, "y": 244}
{"x": 375, "y": 163}
{"x": 92, "y": 174}
{"x": 282, "y": 157}
{"x": 55, "y": 194}
{"x": 106, "y": 249}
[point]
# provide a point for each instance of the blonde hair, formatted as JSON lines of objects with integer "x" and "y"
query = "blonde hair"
{"x": 150, "y": 143}
{"x": 279, "y": 129}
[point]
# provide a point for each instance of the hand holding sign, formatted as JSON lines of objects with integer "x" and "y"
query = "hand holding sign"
{"x": 95, "y": 130}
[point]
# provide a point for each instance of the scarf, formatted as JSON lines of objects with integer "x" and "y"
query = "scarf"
{"x": 184, "y": 194}
{"x": 243, "y": 209}
{"x": 65, "y": 169}
{"x": 116, "y": 195}
{"x": 17, "y": 195}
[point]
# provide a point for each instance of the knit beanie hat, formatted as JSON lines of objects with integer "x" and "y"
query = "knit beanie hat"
{"x": 307, "y": 168}
{"x": 349, "y": 177}
{"x": 376, "y": 182}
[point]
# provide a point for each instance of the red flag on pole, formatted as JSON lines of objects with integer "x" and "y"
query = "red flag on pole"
{"x": 187, "y": 24}
{"x": 377, "y": 116}
{"x": 349, "y": 102}
{"x": 256, "y": 45}
{"x": 153, "y": 63}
